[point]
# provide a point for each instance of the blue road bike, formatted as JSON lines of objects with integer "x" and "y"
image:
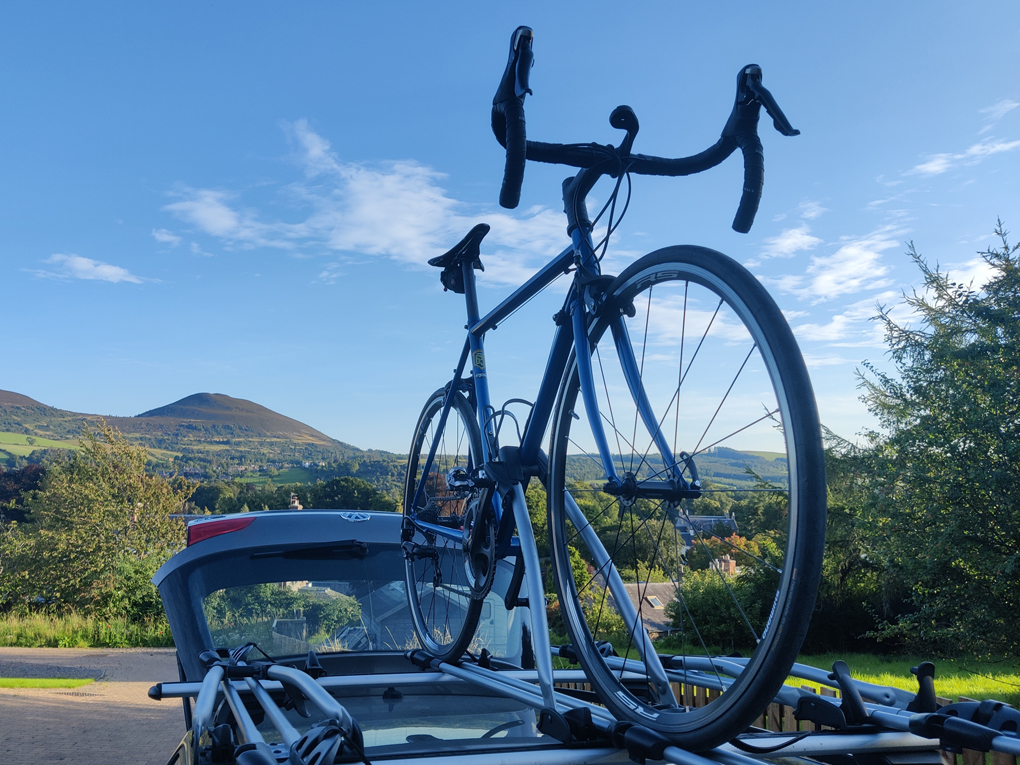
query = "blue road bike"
{"x": 651, "y": 373}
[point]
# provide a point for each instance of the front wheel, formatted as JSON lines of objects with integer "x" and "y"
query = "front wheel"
{"x": 442, "y": 587}
{"x": 701, "y": 390}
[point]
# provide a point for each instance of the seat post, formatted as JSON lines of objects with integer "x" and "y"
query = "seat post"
{"x": 470, "y": 293}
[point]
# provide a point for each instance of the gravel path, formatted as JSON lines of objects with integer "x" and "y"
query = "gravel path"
{"x": 110, "y": 722}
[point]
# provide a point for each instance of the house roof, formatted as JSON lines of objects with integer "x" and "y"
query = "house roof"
{"x": 653, "y": 597}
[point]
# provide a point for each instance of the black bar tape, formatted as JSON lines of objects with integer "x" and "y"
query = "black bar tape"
{"x": 754, "y": 179}
{"x": 639, "y": 164}
{"x": 577, "y": 155}
{"x": 516, "y": 153}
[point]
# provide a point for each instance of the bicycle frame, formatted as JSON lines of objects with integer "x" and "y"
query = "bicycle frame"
{"x": 571, "y": 331}
{"x": 568, "y": 333}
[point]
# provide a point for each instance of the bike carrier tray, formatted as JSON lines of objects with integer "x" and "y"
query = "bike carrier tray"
{"x": 867, "y": 720}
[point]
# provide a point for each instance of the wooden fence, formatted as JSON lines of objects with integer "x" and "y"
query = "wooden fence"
{"x": 779, "y": 718}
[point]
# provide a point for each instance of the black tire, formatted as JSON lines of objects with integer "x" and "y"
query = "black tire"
{"x": 444, "y": 623}
{"x": 694, "y": 309}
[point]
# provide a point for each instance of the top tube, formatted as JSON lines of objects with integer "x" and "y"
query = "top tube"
{"x": 560, "y": 265}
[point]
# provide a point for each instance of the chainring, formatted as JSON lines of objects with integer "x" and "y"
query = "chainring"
{"x": 479, "y": 544}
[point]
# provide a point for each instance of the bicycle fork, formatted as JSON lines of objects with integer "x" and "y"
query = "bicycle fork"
{"x": 536, "y": 596}
{"x": 603, "y": 562}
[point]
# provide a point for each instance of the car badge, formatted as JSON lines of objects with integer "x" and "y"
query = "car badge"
{"x": 355, "y": 517}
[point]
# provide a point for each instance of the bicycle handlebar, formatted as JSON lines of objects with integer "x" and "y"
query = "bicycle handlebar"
{"x": 740, "y": 131}
{"x": 508, "y": 114}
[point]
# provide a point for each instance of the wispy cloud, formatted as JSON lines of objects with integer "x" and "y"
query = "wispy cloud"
{"x": 163, "y": 236}
{"x": 851, "y": 327}
{"x": 995, "y": 112}
{"x": 396, "y": 210}
{"x": 936, "y": 164}
{"x": 786, "y": 244}
{"x": 77, "y": 267}
{"x": 813, "y": 362}
{"x": 790, "y": 242}
{"x": 810, "y": 210}
{"x": 855, "y": 267}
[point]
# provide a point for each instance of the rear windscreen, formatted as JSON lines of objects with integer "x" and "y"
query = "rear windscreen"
{"x": 343, "y": 605}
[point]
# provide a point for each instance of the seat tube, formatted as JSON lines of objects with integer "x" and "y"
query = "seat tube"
{"x": 478, "y": 373}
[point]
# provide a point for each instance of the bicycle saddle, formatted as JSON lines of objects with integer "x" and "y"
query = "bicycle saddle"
{"x": 465, "y": 251}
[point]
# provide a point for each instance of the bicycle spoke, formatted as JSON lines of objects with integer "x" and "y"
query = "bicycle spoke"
{"x": 726, "y": 395}
{"x": 641, "y": 368}
{"x": 680, "y": 367}
{"x": 701, "y": 342}
{"x": 765, "y": 416}
{"x": 722, "y": 577}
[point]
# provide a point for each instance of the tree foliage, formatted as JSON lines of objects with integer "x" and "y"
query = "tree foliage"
{"x": 945, "y": 510}
{"x": 344, "y": 493}
{"x": 97, "y": 529}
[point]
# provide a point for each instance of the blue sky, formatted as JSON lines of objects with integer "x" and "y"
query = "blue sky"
{"x": 240, "y": 197}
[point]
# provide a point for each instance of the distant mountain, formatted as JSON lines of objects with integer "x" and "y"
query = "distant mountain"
{"x": 10, "y": 398}
{"x": 247, "y": 416}
{"x": 206, "y": 433}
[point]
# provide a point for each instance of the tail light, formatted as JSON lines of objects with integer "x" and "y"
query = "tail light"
{"x": 199, "y": 530}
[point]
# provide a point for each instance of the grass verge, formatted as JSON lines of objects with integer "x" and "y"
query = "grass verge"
{"x": 44, "y": 682}
{"x": 973, "y": 678}
{"x": 76, "y": 631}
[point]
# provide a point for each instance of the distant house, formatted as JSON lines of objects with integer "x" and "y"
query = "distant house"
{"x": 294, "y": 504}
{"x": 651, "y": 598}
{"x": 693, "y": 526}
{"x": 725, "y": 564}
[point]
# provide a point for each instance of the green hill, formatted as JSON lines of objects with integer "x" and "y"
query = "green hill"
{"x": 721, "y": 467}
{"x": 205, "y": 434}
{"x": 238, "y": 414}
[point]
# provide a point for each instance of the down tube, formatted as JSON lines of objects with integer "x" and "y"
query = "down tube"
{"x": 531, "y": 444}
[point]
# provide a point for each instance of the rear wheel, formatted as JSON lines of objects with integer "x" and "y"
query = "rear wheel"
{"x": 441, "y": 580}
{"x": 734, "y": 570}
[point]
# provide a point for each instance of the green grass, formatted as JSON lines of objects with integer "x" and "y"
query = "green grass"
{"x": 18, "y": 444}
{"x": 290, "y": 475}
{"x": 765, "y": 455}
{"x": 973, "y": 678}
{"x": 969, "y": 677}
{"x": 75, "y": 631}
{"x": 44, "y": 682}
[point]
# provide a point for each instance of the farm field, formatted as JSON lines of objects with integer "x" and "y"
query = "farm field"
{"x": 290, "y": 475}
{"x": 21, "y": 445}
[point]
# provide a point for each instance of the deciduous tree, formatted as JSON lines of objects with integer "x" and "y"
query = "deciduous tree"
{"x": 96, "y": 530}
